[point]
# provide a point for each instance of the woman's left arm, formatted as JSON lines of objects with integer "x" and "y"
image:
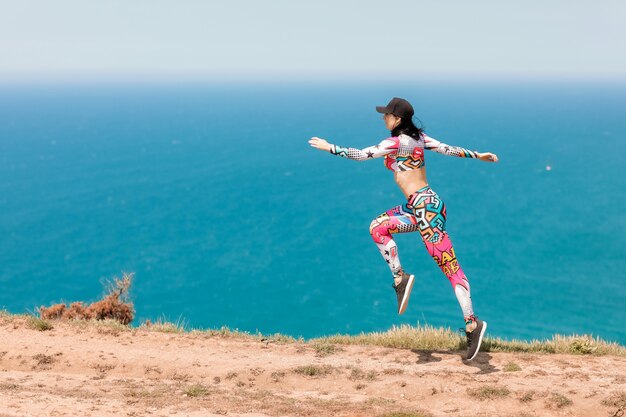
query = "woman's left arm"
{"x": 436, "y": 146}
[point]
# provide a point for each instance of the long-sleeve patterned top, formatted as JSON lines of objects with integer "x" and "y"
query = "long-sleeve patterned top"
{"x": 403, "y": 152}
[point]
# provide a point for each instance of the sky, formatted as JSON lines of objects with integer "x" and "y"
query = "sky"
{"x": 280, "y": 39}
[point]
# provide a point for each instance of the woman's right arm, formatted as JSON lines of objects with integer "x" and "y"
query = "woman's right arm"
{"x": 385, "y": 147}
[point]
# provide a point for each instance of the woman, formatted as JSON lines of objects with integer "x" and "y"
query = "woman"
{"x": 424, "y": 211}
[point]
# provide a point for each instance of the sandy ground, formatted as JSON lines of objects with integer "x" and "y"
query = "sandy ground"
{"x": 98, "y": 371}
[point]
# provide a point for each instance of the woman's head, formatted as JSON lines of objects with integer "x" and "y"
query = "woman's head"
{"x": 398, "y": 117}
{"x": 391, "y": 121}
{"x": 399, "y": 107}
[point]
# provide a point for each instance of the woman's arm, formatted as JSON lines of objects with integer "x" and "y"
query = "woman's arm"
{"x": 385, "y": 147}
{"x": 436, "y": 146}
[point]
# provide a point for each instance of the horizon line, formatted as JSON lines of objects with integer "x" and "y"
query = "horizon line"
{"x": 196, "y": 78}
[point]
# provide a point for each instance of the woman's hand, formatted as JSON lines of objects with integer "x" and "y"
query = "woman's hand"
{"x": 487, "y": 156}
{"x": 320, "y": 143}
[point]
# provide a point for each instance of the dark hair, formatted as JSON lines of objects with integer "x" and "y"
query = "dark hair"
{"x": 407, "y": 127}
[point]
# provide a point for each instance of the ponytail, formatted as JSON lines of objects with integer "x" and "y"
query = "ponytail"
{"x": 407, "y": 127}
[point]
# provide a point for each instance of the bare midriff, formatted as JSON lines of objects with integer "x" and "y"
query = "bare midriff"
{"x": 411, "y": 181}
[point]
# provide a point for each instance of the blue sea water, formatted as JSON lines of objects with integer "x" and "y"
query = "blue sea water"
{"x": 211, "y": 195}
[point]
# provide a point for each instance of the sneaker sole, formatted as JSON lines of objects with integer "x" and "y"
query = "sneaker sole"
{"x": 407, "y": 294}
{"x": 480, "y": 340}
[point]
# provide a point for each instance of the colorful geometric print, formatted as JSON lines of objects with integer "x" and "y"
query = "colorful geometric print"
{"x": 403, "y": 152}
{"x": 424, "y": 212}
{"x": 439, "y": 147}
{"x": 430, "y": 212}
{"x": 397, "y": 220}
{"x": 408, "y": 156}
{"x": 443, "y": 253}
{"x": 385, "y": 147}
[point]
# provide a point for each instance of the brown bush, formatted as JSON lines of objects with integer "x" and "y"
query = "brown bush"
{"x": 114, "y": 305}
{"x": 53, "y": 312}
{"x": 76, "y": 312}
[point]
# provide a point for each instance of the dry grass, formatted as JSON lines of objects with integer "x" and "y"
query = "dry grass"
{"x": 404, "y": 336}
{"x": 323, "y": 349}
{"x": 38, "y": 324}
{"x": 196, "y": 390}
{"x": 314, "y": 370}
{"x": 42, "y": 359}
{"x": 358, "y": 374}
{"x": 527, "y": 396}
{"x": 511, "y": 367}
{"x": 489, "y": 392}
{"x": 163, "y": 326}
{"x": 420, "y": 337}
{"x": 617, "y": 399}
{"x": 106, "y": 326}
{"x": 574, "y": 344}
{"x": 150, "y": 393}
{"x": 226, "y": 332}
{"x": 557, "y": 400}
{"x": 114, "y": 305}
{"x": 277, "y": 376}
{"x": 425, "y": 337}
{"x": 9, "y": 386}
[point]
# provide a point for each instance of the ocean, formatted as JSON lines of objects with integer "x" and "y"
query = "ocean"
{"x": 212, "y": 197}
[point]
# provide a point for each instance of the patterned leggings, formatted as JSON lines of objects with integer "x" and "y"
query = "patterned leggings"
{"x": 426, "y": 213}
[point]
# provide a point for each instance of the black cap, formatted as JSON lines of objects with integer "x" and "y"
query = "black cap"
{"x": 398, "y": 107}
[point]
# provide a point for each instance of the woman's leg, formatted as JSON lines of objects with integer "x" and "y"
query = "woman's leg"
{"x": 430, "y": 213}
{"x": 399, "y": 219}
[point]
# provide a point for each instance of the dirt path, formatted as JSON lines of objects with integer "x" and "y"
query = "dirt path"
{"x": 98, "y": 371}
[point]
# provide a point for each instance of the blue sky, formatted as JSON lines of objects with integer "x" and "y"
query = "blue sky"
{"x": 167, "y": 39}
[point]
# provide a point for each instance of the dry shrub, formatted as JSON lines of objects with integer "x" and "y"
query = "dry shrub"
{"x": 76, "y": 311}
{"x": 114, "y": 305}
{"x": 53, "y": 312}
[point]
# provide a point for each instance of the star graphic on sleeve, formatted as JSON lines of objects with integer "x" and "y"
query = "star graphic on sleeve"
{"x": 370, "y": 154}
